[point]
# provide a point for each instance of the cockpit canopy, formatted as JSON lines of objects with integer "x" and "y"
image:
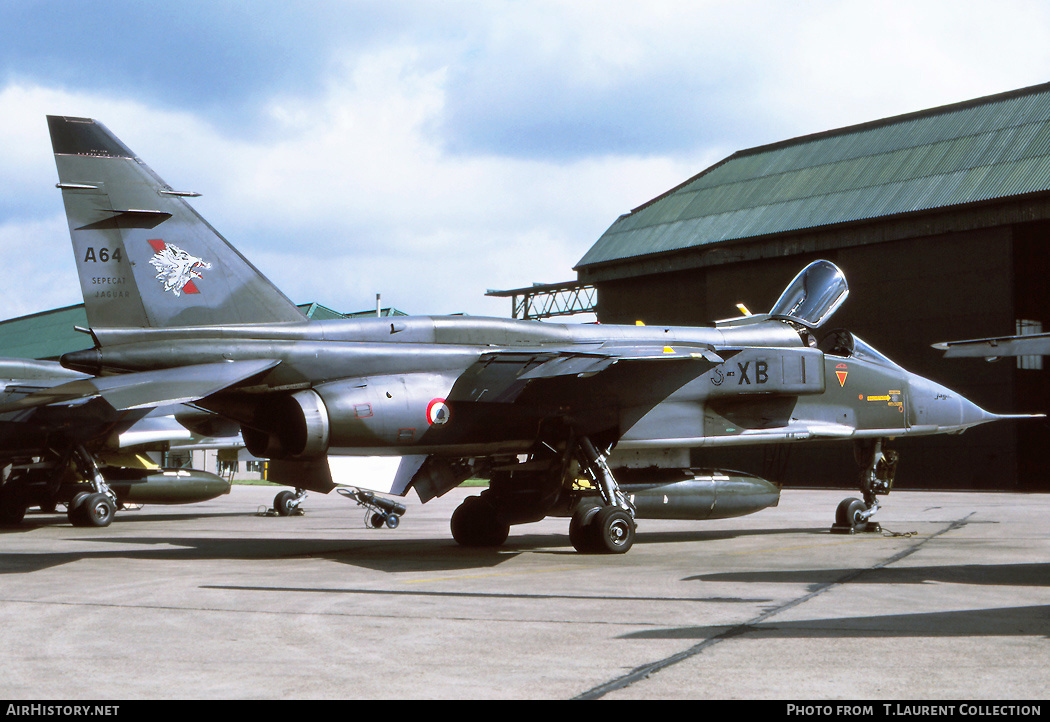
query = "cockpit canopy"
{"x": 817, "y": 291}
{"x": 841, "y": 342}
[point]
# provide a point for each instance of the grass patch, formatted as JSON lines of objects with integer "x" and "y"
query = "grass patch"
{"x": 262, "y": 482}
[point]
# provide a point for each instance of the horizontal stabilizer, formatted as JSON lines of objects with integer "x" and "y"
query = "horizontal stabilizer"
{"x": 177, "y": 385}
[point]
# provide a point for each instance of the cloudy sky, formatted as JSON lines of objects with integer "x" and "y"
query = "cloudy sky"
{"x": 429, "y": 151}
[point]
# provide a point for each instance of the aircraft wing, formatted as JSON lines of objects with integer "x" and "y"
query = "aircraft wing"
{"x": 142, "y": 389}
{"x": 615, "y": 371}
{"x": 992, "y": 348}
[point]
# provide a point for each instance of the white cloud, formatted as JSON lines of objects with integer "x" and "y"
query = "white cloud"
{"x": 353, "y": 196}
{"x": 855, "y": 62}
{"x": 368, "y": 179}
{"x": 33, "y": 277}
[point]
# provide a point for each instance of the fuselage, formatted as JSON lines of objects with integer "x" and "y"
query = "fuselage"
{"x": 433, "y": 385}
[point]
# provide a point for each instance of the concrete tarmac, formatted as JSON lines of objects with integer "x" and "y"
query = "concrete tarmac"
{"x": 213, "y": 601}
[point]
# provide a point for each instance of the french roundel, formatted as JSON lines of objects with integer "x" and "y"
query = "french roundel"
{"x": 437, "y": 412}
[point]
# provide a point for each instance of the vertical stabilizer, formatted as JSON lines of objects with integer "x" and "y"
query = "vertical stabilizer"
{"x": 144, "y": 256}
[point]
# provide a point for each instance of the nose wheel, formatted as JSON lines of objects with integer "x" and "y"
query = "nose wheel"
{"x": 879, "y": 468}
{"x": 852, "y": 516}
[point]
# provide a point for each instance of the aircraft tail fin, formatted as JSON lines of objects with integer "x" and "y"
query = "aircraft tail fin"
{"x": 145, "y": 258}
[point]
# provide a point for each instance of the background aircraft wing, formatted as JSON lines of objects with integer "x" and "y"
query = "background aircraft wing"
{"x": 991, "y": 348}
{"x": 148, "y": 388}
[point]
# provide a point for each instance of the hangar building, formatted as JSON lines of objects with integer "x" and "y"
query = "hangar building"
{"x": 940, "y": 220}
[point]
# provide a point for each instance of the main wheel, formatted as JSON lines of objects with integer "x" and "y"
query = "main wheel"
{"x": 12, "y": 510}
{"x": 73, "y": 511}
{"x": 612, "y": 530}
{"x": 12, "y": 505}
{"x": 477, "y": 523}
{"x": 580, "y": 535}
{"x": 848, "y": 513}
{"x": 94, "y": 510}
{"x": 282, "y": 503}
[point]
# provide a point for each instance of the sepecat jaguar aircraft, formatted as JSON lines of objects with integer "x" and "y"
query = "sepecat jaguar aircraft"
{"x": 591, "y": 422}
{"x": 72, "y": 447}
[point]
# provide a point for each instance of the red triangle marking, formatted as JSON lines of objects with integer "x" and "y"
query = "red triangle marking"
{"x": 189, "y": 288}
{"x": 842, "y": 377}
{"x": 157, "y": 244}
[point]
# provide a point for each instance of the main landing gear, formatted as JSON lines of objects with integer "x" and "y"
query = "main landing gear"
{"x": 289, "y": 503}
{"x": 879, "y": 467}
{"x": 607, "y": 529}
{"x": 542, "y": 486}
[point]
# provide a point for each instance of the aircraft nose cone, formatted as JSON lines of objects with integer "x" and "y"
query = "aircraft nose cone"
{"x": 938, "y": 406}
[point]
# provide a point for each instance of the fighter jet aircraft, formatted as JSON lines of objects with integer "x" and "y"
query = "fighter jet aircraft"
{"x": 73, "y": 449}
{"x": 425, "y": 402}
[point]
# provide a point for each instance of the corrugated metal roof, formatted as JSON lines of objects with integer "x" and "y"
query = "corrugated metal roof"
{"x": 45, "y": 335}
{"x": 979, "y": 150}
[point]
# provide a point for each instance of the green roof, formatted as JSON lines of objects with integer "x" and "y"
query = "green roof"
{"x": 45, "y": 335}
{"x": 979, "y": 150}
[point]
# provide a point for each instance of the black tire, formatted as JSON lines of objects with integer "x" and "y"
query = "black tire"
{"x": 12, "y": 509}
{"x": 612, "y": 530}
{"x": 12, "y": 504}
{"x": 580, "y": 535}
{"x": 74, "y": 512}
{"x": 12, "y": 514}
{"x": 847, "y": 515}
{"x": 282, "y": 503}
{"x": 476, "y": 523}
{"x": 392, "y": 520}
{"x": 96, "y": 510}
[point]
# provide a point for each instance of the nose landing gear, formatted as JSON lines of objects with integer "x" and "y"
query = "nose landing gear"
{"x": 879, "y": 467}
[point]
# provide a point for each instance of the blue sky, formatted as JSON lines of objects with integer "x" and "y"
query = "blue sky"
{"x": 429, "y": 151}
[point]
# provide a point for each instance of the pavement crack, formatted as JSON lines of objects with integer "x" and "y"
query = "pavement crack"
{"x": 645, "y": 671}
